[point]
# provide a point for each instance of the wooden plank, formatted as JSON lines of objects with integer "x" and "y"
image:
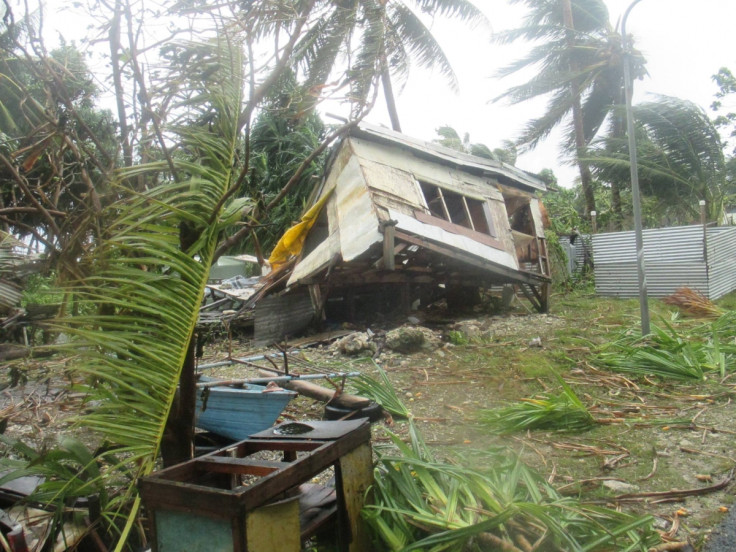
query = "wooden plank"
{"x": 305, "y": 468}
{"x": 511, "y": 274}
{"x": 274, "y": 527}
{"x": 460, "y": 230}
{"x": 389, "y": 237}
{"x": 356, "y": 471}
{"x": 242, "y": 466}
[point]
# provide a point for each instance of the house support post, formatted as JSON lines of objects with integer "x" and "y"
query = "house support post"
{"x": 388, "y": 228}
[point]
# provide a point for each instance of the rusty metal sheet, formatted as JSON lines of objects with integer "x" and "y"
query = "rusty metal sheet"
{"x": 317, "y": 260}
{"x": 391, "y": 181}
{"x": 537, "y": 217}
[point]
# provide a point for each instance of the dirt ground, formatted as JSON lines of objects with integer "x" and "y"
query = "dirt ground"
{"x": 665, "y": 449}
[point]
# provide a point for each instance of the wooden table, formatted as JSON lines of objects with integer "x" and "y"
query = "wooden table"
{"x": 236, "y": 500}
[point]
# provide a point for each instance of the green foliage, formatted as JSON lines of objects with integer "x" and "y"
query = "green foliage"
{"x": 58, "y": 148}
{"x": 41, "y": 290}
{"x": 381, "y": 391}
{"x": 680, "y": 160}
{"x": 354, "y": 42}
{"x": 726, "y": 87}
{"x": 561, "y": 412}
{"x": 457, "y": 337}
{"x": 281, "y": 139}
{"x": 671, "y": 353}
{"x": 420, "y": 503}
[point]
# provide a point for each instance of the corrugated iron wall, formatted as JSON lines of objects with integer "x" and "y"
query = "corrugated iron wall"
{"x": 279, "y": 317}
{"x": 576, "y": 252}
{"x": 674, "y": 257}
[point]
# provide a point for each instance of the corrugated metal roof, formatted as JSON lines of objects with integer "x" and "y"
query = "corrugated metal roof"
{"x": 673, "y": 257}
{"x": 447, "y": 155}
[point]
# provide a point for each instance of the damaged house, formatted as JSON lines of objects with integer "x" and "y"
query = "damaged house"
{"x": 397, "y": 222}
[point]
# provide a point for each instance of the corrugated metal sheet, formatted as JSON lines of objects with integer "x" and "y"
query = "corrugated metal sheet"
{"x": 674, "y": 257}
{"x": 356, "y": 215}
{"x": 576, "y": 251}
{"x": 449, "y": 156}
{"x": 280, "y": 316}
{"x": 10, "y": 294}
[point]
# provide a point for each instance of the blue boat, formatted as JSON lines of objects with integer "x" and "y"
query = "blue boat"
{"x": 237, "y": 412}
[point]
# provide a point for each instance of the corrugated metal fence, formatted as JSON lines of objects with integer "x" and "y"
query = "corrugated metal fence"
{"x": 674, "y": 257}
{"x": 578, "y": 250}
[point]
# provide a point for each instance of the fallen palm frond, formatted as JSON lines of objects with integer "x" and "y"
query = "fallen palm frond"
{"x": 381, "y": 391}
{"x": 684, "y": 354}
{"x": 423, "y": 504}
{"x": 693, "y": 303}
{"x": 562, "y": 412}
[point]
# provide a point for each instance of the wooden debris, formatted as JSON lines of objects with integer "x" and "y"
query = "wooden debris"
{"x": 672, "y": 547}
{"x": 676, "y": 494}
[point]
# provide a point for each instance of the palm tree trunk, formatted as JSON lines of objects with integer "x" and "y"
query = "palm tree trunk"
{"x": 586, "y": 179}
{"x": 388, "y": 93}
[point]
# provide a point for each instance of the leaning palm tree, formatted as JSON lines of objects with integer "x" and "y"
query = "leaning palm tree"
{"x": 364, "y": 38}
{"x": 581, "y": 70}
{"x": 681, "y": 159}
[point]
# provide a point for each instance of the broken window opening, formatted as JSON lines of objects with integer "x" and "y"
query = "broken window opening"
{"x": 458, "y": 209}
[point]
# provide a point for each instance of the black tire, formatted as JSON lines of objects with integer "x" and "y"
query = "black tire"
{"x": 372, "y": 411}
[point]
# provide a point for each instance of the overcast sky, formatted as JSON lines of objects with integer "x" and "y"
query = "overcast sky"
{"x": 684, "y": 42}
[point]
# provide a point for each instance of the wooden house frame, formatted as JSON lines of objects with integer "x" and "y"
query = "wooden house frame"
{"x": 413, "y": 217}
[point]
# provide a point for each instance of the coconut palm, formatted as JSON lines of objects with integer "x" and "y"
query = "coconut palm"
{"x": 581, "y": 70}
{"x": 681, "y": 159}
{"x": 449, "y": 138}
{"x": 375, "y": 37}
{"x": 147, "y": 283}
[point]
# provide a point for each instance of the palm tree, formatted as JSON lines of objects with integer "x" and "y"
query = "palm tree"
{"x": 449, "y": 138}
{"x": 680, "y": 159}
{"x": 147, "y": 283}
{"x": 581, "y": 68}
{"x": 375, "y": 37}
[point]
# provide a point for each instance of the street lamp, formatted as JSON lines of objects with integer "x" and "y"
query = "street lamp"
{"x": 635, "y": 196}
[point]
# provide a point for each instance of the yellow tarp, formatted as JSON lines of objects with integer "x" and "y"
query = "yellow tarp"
{"x": 292, "y": 241}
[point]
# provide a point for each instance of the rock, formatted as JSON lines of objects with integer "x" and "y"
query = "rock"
{"x": 355, "y": 343}
{"x": 410, "y": 339}
{"x": 471, "y": 329}
{"x": 406, "y": 339}
{"x": 620, "y": 486}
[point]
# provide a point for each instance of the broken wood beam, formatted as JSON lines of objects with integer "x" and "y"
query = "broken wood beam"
{"x": 319, "y": 393}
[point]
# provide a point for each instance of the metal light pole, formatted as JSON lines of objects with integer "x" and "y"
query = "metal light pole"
{"x": 635, "y": 196}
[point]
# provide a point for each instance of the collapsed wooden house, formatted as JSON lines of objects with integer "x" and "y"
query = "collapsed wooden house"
{"x": 401, "y": 220}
